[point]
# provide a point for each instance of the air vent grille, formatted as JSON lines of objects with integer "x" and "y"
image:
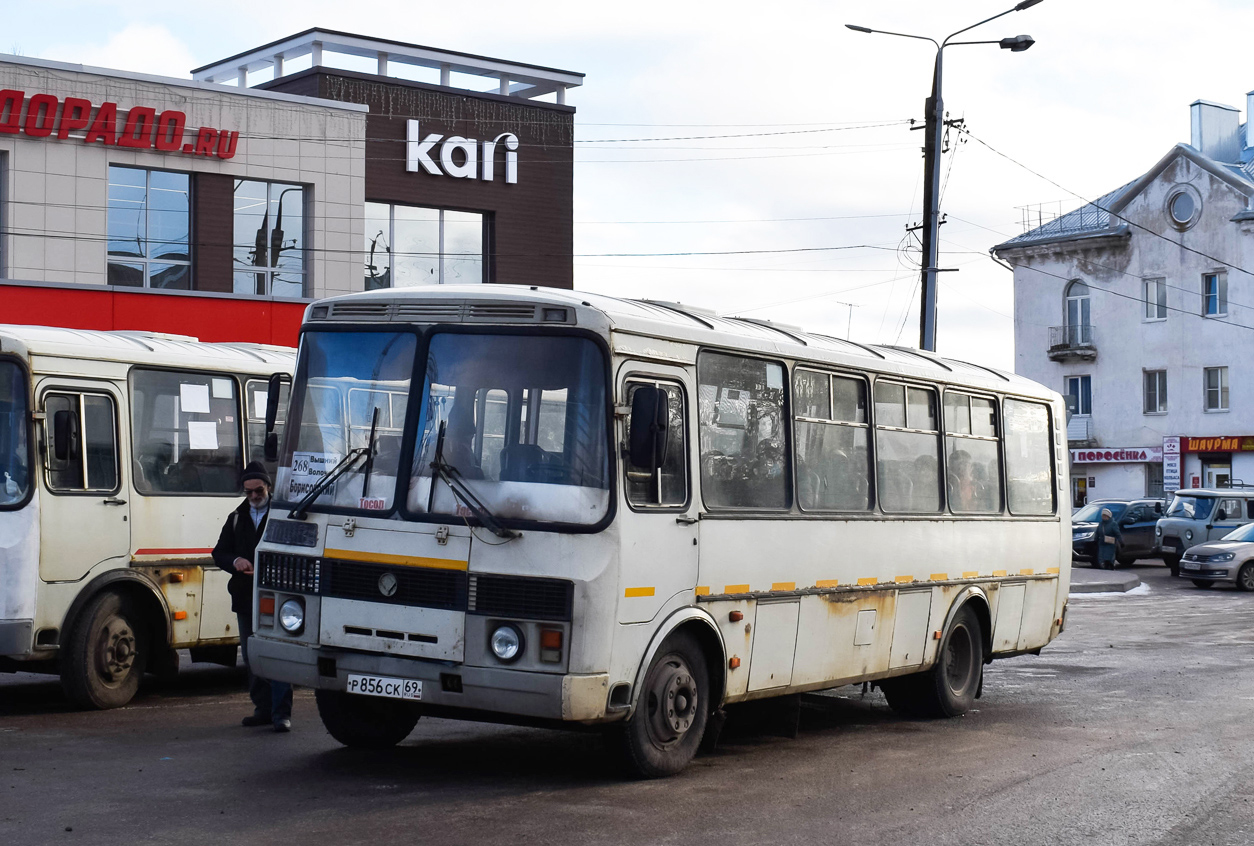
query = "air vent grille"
{"x": 442, "y": 311}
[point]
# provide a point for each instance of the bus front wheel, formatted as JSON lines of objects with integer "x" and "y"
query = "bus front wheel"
{"x": 950, "y": 687}
{"x": 365, "y": 722}
{"x": 663, "y": 734}
{"x": 106, "y": 654}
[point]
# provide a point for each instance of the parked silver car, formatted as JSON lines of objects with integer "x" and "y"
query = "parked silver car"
{"x": 1226, "y": 561}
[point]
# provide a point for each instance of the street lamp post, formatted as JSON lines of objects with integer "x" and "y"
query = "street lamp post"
{"x": 934, "y": 128}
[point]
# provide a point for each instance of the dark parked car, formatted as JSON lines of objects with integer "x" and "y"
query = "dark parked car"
{"x": 1137, "y": 519}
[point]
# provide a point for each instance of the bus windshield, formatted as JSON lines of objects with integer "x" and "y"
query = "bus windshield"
{"x": 14, "y": 425}
{"x": 347, "y": 384}
{"x": 1193, "y": 507}
{"x": 524, "y": 424}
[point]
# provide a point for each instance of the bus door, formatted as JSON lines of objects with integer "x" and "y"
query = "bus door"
{"x": 187, "y": 430}
{"x": 658, "y": 526}
{"x": 84, "y": 520}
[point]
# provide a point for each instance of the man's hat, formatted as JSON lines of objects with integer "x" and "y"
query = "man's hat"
{"x": 254, "y": 470}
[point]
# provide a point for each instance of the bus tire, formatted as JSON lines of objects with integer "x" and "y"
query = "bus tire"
{"x": 673, "y": 710}
{"x": 106, "y": 655}
{"x": 365, "y": 722}
{"x": 948, "y": 689}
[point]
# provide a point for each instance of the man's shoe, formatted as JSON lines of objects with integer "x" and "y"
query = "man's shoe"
{"x": 282, "y": 726}
{"x": 253, "y": 720}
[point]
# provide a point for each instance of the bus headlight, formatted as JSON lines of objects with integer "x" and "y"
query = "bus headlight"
{"x": 292, "y": 616}
{"x": 507, "y": 642}
{"x": 1188, "y": 534}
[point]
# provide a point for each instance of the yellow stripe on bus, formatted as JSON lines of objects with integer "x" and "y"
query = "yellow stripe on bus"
{"x": 736, "y": 589}
{"x": 1027, "y": 572}
{"x": 703, "y": 590}
{"x": 783, "y": 586}
{"x": 397, "y": 560}
{"x": 827, "y": 583}
{"x": 870, "y": 580}
{"x": 971, "y": 574}
{"x": 903, "y": 579}
{"x": 638, "y": 591}
{"x": 940, "y": 577}
{"x": 1054, "y": 570}
{"x": 999, "y": 573}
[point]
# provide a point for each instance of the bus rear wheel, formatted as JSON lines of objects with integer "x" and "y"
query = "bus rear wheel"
{"x": 365, "y": 722}
{"x": 950, "y": 687}
{"x": 106, "y": 654}
{"x": 663, "y": 734}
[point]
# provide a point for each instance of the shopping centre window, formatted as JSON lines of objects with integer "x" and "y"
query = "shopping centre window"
{"x": 149, "y": 228}
{"x": 411, "y": 245}
{"x": 269, "y": 242}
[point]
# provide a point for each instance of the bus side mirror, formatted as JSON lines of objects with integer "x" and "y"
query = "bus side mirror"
{"x": 64, "y": 435}
{"x": 649, "y": 429}
{"x": 272, "y": 447}
{"x": 273, "y": 396}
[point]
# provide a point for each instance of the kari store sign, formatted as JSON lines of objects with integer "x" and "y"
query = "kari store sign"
{"x": 137, "y": 128}
{"x": 1116, "y": 456}
{"x": 461, "y": 158}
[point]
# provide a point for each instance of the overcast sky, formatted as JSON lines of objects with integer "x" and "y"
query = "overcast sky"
{"x": 798, "y": 207}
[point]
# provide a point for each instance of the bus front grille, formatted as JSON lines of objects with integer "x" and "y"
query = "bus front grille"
{"x": 521, "y": 597}
{"x": 419, "y": 586}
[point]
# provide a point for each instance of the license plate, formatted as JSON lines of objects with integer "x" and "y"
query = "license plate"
{"x": 1189, "y": 565}
{"x": 383, "y": 686}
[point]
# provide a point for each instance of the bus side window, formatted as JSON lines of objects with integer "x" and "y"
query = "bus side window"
{"x": 972, "y": 454}
{"x": 669, "y": 485}
{"x": 186, "y": 432}
{"x": 1029, "y": 468}
{"x": 743, "y": 432}
{"x": 907, "y": 439}
{"x": 832, "y": 460}
{"x": 82, "y": 445}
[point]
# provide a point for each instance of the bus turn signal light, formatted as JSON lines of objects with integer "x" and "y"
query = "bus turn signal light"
{"x": 551, "y": 646}
{"x": 266, "y": 605}
{"x": 180, "y": 615}
{"x": 734, "y": 663}
{"x": 736, "y": 616}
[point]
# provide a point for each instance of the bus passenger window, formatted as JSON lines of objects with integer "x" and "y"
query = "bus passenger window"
{"x": 908, "y": 448}
{"x": 186, "y": 431}
{"x": 743, "y": 437}
{"x": 90, "y": 462}
{"x": 669, "y": 485}
{"x": 1029, "y": 466}
{"x": 971, "y": 454}
{"x": 832, "y": 461}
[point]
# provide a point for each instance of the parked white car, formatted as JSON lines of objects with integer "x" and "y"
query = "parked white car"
{"x": 1229, "y": 560}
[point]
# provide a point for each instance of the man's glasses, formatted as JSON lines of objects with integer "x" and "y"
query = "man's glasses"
{"x": 255, "y": 491}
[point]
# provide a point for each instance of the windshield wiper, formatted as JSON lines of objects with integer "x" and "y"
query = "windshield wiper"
{"x": 453, "y": 478}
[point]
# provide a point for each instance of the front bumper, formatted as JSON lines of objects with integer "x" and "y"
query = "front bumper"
{"x": 494, "y": 689}
{"x": 1084, "y": 550}
{"x": 1215, "y": 572}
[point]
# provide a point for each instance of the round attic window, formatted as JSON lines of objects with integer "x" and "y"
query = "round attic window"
{"x": 1182, "y": 208}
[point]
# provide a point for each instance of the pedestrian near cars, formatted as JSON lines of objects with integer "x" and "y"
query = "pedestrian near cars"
{"x": 235, "y": 553}
{"x": 1107, "y": 540}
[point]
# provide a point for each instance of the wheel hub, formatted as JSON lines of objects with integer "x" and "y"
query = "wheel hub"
{"x": 116, "y": 653}
{"x": 673, "y": 702}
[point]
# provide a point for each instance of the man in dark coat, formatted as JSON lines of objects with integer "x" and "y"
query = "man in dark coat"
{"x": 237, "y": 545}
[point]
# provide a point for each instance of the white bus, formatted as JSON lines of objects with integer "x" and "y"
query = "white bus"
{"x": 121, "y": 455}
{"x": 630, "y": 513}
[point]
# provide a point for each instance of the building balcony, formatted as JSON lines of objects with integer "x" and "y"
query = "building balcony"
{"x": 1080, "y": 432}
{"x": 1072, "y": 343}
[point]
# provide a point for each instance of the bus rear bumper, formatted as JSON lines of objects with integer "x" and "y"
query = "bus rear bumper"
{"x": 547, "y": 696}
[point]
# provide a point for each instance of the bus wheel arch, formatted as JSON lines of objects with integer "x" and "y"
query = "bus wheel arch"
{"x": 951, "y": 685}
{"x": 702, "y": 628}
{"x": 113, "y": 631}
{"x": 977, "y": 600}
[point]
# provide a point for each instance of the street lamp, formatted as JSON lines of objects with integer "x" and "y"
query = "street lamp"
{"x": 934, "y": 126}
